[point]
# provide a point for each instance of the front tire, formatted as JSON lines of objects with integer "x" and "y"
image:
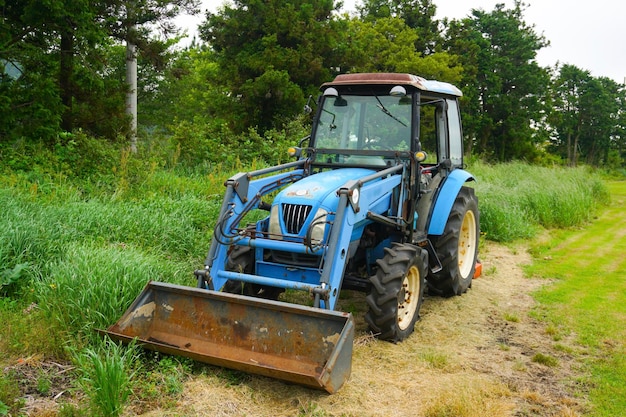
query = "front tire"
{"x": 457, "y": 247}
{"x": 397, "y": 292}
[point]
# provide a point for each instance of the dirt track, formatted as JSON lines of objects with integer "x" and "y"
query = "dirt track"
{"x": 476, "y": 355}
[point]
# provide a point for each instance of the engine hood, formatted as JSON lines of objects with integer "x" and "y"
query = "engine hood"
{"x": 320, "y": 189}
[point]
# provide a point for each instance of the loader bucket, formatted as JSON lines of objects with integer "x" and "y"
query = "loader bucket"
{"x": 303, "y": 345}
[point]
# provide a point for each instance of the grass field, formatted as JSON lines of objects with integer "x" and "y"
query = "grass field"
{"x": 588, "y": 299}
{"x": 73, "y": 255}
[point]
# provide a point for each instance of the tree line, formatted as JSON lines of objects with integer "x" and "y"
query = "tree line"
{"x": 256, "y": 63}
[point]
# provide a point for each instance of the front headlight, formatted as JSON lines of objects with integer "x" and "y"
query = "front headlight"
{"x": 274, "y": 229}
{"x": 318, "y": 226}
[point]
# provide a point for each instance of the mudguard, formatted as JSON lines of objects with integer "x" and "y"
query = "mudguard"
{"x": 445, "y": 200}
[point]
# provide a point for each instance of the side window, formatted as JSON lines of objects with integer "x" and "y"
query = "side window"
{"x": 456, "y": 139}
{"x": 442, "y": 146}
{"x": 430, "y": 128}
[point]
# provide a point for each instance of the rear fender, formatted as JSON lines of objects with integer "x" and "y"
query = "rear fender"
{"x": 445, "y": 200}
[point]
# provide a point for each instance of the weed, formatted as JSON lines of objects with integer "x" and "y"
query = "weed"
{"x": 546, "y": 360}
{"x": 232, "y": 377}
{"x": 164, "y": 379}
{"x": 554, "y": 332}
{"x": 519, "y": 366}
{"x": 70, "y": 410}
{"x": 563, "y": 348}
{"x": 43, "y": 384}
{"x": 10, "y": 278}
{"x": 492, "y": 270}
{"x": 513, "y": 318}
{"x": 434, "y": 359}
{"x": 10, "y": 395}
{"x": 107, "y": 373}
{"x": 26, "y": 330}
{"x": 311, "y": 409}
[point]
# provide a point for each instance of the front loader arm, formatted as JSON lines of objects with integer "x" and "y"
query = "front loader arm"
{"x": 356, "y": 200}
{"x": 243, "y": 194}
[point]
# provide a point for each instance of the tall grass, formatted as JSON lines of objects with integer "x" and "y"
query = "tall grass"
{"x": 85, "y": 257}
{"x": 107, "y": 375}
{"x": 83, "y": 260}
{"x": 91, "y": 286}
{"x": 516, "y": 199}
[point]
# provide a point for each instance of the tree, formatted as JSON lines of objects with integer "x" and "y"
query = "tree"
{"x": 418, "y": 15}
{"x": 135, "y": 15}
{"x": 505, "y": 89}
{"x": 567, "y": 112}
{"x": 586, "y": 115}
{"x": 387, "y": 45}
{"x": 272, "y": 54}
{"x": 601, "y": 104}
{"x": 63, "y": 47}
{"x": 41, "y": 35}
{"x": 619, "y": 141}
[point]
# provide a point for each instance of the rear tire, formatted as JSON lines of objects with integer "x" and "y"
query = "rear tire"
{"x": 457, "y": 247}
{"x": 241, "y": 259}
{"x": 397, "y": 292}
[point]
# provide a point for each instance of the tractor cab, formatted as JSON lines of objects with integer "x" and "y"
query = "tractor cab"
{"x": 379, "y": 120}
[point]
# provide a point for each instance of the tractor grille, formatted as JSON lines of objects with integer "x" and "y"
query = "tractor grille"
{"x": 294, "y": 216}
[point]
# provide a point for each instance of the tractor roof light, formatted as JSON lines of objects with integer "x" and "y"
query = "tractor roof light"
{"x": 331, "y": 92}
{"x": 398, "y": 91}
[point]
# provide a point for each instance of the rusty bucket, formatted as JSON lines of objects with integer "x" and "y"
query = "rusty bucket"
{"x": 300, "y": 344}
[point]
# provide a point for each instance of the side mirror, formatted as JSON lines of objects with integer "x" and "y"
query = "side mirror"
{"x": 307, "y": 106}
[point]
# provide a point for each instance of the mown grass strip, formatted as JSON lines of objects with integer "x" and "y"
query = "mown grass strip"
{"x": 588, "y": 298}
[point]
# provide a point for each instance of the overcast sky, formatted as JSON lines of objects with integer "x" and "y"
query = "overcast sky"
{"x": 591, "y": 36}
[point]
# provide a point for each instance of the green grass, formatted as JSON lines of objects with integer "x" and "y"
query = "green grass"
{"x": 588, "y": 298}
{"x": 9, "y": 394}
{"x": 74, "y": 256}
{"x": 544, "y": 359}
{"x": 107, "y": 374}
{"x": 517, "y": 200}
{"x": 75, "y": 253}
{"x": 91, "y": 286}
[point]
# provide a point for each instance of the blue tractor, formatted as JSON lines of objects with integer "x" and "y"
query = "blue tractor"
{"x": 375, "y": 200}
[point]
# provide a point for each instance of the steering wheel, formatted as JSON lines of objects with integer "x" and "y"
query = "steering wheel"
{"x": 376, "y": 143}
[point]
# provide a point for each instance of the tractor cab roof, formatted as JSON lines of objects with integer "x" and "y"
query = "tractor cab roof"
{"x": 420, "y": 83}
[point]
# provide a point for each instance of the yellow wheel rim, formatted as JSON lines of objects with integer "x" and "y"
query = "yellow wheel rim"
{"x": 467, "y": 244}
{"x": 408, "y": 298}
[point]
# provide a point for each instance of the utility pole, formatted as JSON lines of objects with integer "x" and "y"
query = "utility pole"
{"x": 131, "y": 95}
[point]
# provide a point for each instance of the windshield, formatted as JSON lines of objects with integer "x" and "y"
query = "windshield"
{"x": 358, "y": 122}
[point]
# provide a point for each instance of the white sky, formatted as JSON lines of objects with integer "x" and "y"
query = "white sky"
{"x": 591, "y": 37}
